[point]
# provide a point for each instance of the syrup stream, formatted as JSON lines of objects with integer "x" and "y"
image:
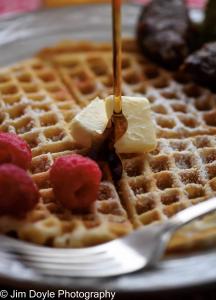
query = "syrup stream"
{"x": 118, "y": 125}
{"x": 119, "y": 122}
{"x": 117, "y": 54}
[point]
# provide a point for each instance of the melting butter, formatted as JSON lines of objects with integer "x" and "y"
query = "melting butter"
{"x": 141, "y": 133}
{"x": 89, "y": 125}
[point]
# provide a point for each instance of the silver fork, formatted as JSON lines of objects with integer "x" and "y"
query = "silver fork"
{"x": 140, "y": 249}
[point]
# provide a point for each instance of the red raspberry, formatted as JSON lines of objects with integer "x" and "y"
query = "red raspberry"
{"x": 75, "y": 180}
{"x": 18, "y": 193}
{"x": 14, "y": 150}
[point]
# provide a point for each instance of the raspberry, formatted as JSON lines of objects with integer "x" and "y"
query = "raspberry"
{"x": 14, "y": 150}
{"x": 18, "y": 193}
{"x": 75, "y": 180}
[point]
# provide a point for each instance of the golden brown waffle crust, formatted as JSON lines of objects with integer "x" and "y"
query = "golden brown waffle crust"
{"x": 39, "y": 98}
{"x": 69, "y": 46}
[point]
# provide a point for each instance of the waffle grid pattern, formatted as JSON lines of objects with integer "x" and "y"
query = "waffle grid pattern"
{"x": 36, "y": 105}
{"x": 179, "y": 173}
{"x": 90, "y": 74}
{"x": 176, "y": 175}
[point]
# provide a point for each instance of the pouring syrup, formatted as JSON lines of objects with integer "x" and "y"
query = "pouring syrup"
{"x": 117, "y": 54}
{"x": 118, "y": 119}
{"x": 118, "y": 123}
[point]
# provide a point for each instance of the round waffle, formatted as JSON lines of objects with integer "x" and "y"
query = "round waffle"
{"x": 39, "y": 98}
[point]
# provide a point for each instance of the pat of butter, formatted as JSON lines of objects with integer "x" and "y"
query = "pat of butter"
{"x": 141, "y": 134}
{"x": 88, "y": 126}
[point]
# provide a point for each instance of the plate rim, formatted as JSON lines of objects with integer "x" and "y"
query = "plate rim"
{"x": 111, "y": 282}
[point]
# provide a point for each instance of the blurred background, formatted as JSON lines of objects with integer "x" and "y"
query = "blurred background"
{"x": 11, "y": 7}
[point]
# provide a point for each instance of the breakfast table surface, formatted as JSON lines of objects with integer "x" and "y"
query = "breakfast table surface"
{"x": 13, "y": 7}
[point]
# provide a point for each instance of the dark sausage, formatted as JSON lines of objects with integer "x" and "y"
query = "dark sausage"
{"x": 163, "y": 32}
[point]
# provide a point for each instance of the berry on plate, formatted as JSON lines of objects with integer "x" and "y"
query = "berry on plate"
{"x": 14, "y": 150}
{"x": 75, "y": 180}
{"x": 18, "y": 192}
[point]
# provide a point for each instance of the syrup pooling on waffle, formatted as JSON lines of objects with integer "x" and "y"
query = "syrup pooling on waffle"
{"x": 36, "y": 105}
{"x": 182, "y": 170}
{"x": 179, "y": 173}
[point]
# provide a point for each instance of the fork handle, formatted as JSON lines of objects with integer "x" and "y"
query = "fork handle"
{"x": 189, "y": 214}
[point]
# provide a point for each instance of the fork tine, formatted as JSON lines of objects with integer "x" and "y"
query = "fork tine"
{"x": 99, "y": 270}
{"x": 90, "y": 266}
{"x": 51, "y": 268}
{"x": 104, "y": 268}
{"x": 61, "y": 256}
{"x": 80, "y": 273}
{"x": 117, "y": 258}
{"x": 24, "y": 248}
{"x": 62, "y": 260}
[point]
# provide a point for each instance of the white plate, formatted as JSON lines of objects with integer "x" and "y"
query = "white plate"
{"x": 21, "y": 38}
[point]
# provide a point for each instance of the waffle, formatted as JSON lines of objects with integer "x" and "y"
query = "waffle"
{"x": 36, "y": 105}
{"x": 182, "y": 170}
{"x": 179, "y": 173}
